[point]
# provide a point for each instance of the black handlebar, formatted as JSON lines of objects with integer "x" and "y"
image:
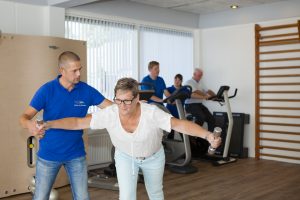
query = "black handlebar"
{"x": 220, "y": 95}
{"x": 181, "y": 93}
{"x": 146, "y": 94}
{"x": 235, "y": 91}
{"x": 150, "y": 85}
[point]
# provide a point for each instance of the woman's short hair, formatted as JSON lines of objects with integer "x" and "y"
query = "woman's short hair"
{"x": 152, "y": 64}
{"x": 127, "y": 84}
{"x": 179, "y": 76}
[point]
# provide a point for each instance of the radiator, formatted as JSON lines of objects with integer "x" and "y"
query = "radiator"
{"x": 99, "y": 149}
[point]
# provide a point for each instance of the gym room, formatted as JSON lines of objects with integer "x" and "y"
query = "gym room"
{"x": 216, "y": 83}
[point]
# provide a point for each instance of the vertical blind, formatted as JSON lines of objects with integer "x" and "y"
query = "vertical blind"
{"x": 172, "y": 49}
{"x": 111, "y": 50}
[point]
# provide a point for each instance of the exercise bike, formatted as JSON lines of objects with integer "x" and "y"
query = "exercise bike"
{"x": 178, "y": 151}
{"x": 221, "y": 156}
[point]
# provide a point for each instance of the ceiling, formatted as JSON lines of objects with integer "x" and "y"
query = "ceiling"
{"x": 57, "y": 3}
{"x": 203, "y": 6}
{"x": 192, "y": 6}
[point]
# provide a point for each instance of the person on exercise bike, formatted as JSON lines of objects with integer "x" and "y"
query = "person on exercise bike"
{"x": 194, "y": 105}
{"x": 177, "y": 84}
{"x": 172, "y": 106}
{"x": 200, "y": 112}
{"x": 136, "y": 131}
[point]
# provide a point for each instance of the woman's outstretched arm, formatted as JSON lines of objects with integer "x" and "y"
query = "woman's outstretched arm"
{"x": 72, "y": 123}
{"x": 189, "y": 128}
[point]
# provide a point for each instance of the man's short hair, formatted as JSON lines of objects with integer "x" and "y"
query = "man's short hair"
{"x": 127, "y": 84}
{"x": 66, "y": 57}
{"x": 152, "y": 64}
{"x": 198, "y": 70}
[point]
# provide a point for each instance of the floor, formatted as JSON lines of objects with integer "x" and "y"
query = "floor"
{"x": 246, "y": 179}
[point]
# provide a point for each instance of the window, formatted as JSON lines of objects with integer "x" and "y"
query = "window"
{"x": 111, "y": 51}
{"x": 172, "y": 49}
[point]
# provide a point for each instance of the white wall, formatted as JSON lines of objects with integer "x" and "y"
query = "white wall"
{"x": 56, "y": 21}
{"x": 228, "y": 58}
{"x": 253, "y": 14}
{"x": 31, "y": 20}
{"x": 197, "y": 47}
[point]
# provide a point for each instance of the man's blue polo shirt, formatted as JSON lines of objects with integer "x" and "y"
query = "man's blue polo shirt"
{"x": 158, "y": 84}
{"x": 57, "y": 102}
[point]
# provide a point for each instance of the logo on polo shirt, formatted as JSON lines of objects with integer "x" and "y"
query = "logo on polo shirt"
{"x": 79, "y": 103}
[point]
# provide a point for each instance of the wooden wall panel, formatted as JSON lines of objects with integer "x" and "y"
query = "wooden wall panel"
{"x": 278, "y": 92}
{"x": 26, "y": 62}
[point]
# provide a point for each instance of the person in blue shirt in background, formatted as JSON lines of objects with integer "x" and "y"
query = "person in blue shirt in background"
{"x": 177, "y": 84}
{"x": 158, "y": 83}
{"x": 172, "y": 107}
{"x": 65, "y": 96}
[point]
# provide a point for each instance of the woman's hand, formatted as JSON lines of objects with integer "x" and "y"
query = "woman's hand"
{"x": 215, "y": 142}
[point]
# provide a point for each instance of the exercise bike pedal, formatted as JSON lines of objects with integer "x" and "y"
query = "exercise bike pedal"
{"x": 110, "y": 171}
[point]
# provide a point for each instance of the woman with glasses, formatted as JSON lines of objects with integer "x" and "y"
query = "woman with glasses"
{"x": 136, "y": 131}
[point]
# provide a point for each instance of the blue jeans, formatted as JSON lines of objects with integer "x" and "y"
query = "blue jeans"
{"x": 46, "y": 172}
{"x": 127, "y": 173}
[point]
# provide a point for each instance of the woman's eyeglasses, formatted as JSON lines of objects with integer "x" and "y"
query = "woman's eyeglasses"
{"x": 125, "y": 101}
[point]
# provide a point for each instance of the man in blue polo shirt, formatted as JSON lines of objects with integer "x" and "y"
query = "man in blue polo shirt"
{"x": 65, "y": 96}
{"x": 157, "y": 82}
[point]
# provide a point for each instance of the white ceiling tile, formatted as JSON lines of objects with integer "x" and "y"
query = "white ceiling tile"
{"x": 167, "y": 3}
{"x": 202, "y": 6}
{"x": 193, "y": 6}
